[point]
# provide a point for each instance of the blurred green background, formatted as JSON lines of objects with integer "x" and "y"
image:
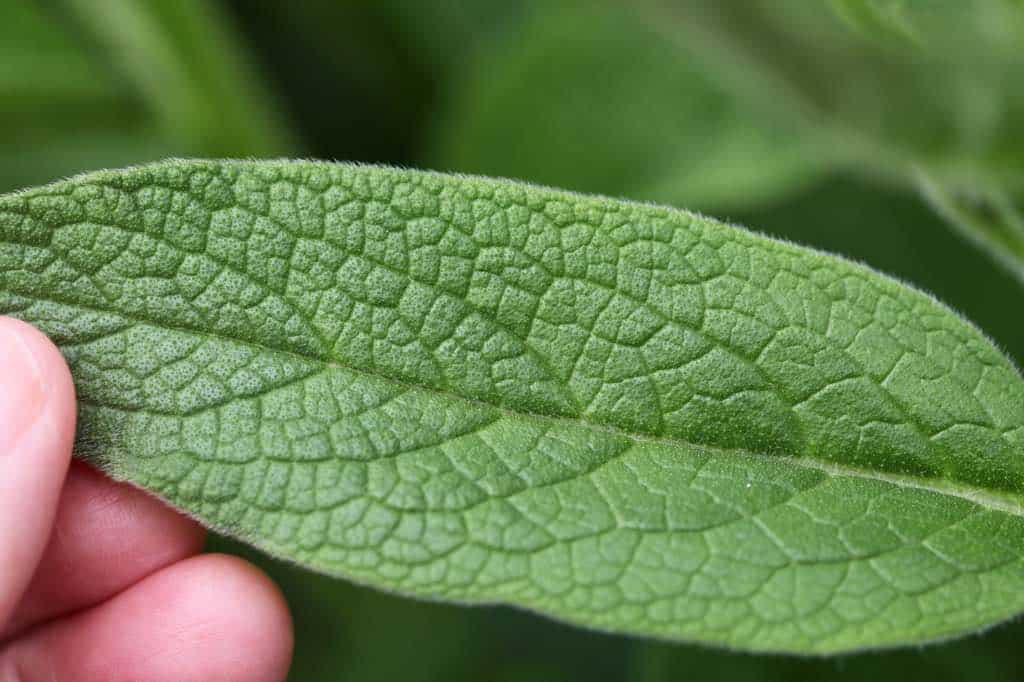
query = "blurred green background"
{"x": 884, "y": 130}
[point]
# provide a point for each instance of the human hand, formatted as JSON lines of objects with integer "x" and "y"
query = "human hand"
{"x": 99, "y": 581}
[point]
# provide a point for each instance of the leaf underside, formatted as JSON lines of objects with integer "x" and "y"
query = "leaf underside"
{"x": 628, "y": 417}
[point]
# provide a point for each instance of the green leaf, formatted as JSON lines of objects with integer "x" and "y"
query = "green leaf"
{"x": 971, "y": 28}
{"x": 184, "y": 60}
{"x": 628, "y": 417}
{"x": 985, "y": 214}
{"x": 886, "y": 20}
{"x": 918, "y": 89}
{"x": 984, "y": 200}
{"x": 88, "y": 84}
{"x": 600, "y": 101}
{"x": 46, "y": 71}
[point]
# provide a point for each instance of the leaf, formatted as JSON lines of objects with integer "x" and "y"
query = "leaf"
{"x": 46, "y": 71}
{"x": 628, "y": 417}
{"x": 974, "y": 28}
{"x": 918, "y": 89}
{"x": 600, "y": 101}
{"x": 376, "y": 68}
{"x": 887, "y": 20}
{"x": 896, "y": 233}
{"x": 118, "y": 82}
{"x": 985, "y": 215}
{"x": 185, "y": 61}
{"x": 983, "y": 203}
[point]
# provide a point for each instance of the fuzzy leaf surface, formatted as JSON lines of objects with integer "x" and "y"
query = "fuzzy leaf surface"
{"x": 628, "y": 417}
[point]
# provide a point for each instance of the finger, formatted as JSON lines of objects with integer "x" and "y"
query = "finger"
{"x": 106, "y": 537}
{"x": 37, "y": 425}
{"x": 212, "y": 617}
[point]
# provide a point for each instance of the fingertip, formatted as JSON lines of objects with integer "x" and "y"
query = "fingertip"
{"x": 252, "y": 608}
{"x": 211, "y": 617}
{"x": 224, "y": 612}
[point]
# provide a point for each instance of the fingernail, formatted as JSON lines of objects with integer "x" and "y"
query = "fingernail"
{"x": 22, "y": 384}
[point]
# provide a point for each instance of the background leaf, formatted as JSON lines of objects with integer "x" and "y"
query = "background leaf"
{"x": 182, "y": 60}
{"x": 627, "y": 111}
{"x": 87, "y": 85}
{"x": 941, "y": 104}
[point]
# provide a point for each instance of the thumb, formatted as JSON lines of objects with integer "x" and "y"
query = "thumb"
{"x": 37, "y": 424}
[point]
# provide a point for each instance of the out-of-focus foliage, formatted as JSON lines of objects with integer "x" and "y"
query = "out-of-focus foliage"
{"x": 952, "y": 27}
{"x": 925, "y": 93}
{"x": 90, "y": 84}
{"x": 395, "y": 81}
{"x": 603, "y": 101}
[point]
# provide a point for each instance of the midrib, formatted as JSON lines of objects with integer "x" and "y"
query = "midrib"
{"x": 1005, "y": 502}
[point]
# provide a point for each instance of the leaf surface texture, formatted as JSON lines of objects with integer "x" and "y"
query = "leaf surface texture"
{"x": 629, "y": 417}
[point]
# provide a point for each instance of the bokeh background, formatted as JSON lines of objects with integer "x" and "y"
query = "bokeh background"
{"x": 884, "y": 130}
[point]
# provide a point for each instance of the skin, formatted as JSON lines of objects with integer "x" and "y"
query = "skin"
{"x": 99, "y": 581}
